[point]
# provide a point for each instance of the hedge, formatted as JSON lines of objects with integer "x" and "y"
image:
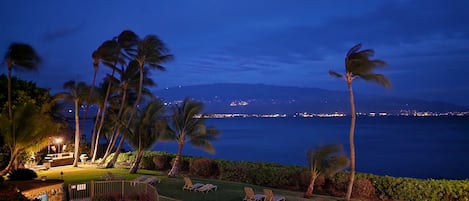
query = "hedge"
{"x": 297, "y": 177}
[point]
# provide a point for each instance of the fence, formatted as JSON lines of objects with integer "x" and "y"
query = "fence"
{"x": 112, "y": 190}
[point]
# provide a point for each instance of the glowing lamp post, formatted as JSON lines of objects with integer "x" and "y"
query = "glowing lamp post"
{"x": 58, "y": 141}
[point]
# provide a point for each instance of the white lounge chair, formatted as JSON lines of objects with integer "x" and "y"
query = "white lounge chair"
{"x": 206, "y": 188}
{"x": 109, "y": 176}
{"x": 251, "y": 196}
{"x": 141, "y": 178}
{"x": 189, "y": 186}
{"x": 152, "y": 180}
{"x": 269, "y": 196}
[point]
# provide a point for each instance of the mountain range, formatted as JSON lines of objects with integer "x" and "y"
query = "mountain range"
{"x": 265, "y": 99}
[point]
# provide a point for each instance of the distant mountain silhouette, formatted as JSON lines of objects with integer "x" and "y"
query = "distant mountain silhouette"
{"x": 259, "y": 98}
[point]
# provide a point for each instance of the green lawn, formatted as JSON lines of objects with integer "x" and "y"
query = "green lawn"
{"x": 171, "y": 187}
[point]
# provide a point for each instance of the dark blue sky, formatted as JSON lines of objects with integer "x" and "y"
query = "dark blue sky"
{"x": 294, "y": 43}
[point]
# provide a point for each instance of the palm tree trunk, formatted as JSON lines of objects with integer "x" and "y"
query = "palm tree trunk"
{"x": 121, "y": 108}
{"x": 10, "y": 109}
{"x": 175, "y": 169}
{"x": 95, "y": 137}
{"x": 115, "y": 128}
{"x": 134, "y": 168}
{"x": 310, "y": 190}
{"x": 10, "y": 166}
{"x": 114, "y": 131}
{"x": 77, "y": 135}
{"x": 116, "y": 153}
{"x": 103, "y": 114}
{"x": 132, "y": 113}
{"x": 351, "y": 139}
{"x": 110, "y": 147}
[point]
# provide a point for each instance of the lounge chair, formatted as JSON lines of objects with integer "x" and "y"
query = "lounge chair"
{"x": 269, "y": 196}
{"x": 141, "y": 178}
{"x": 189, "y": 186}
{"x": 206, "y": 188}
{"x": 251, "y": 196}
{"x": 152, "y": 180}
{"x": 109, "y": 176}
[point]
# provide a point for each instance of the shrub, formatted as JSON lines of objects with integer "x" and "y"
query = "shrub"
{"x": 233, "y": 171}
{"x": 22, "y": 175}
{"x": 162, "y": 162}
{"x": 126, "y": 157}
{"x": 304, "y": 180}
{"x": 139, "y": 196}
{"x": 104, "y": 198}
{"x": 420, "y": 189}
{"x": 363, "y": 188}
{"x": 184, "y": 164}
{"x": 9, "y": 192}
{"x": 204, "y": 168}
{"x": 366, "y": 186}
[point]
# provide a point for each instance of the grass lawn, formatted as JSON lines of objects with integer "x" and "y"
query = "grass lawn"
{"x": 171, "y": 187}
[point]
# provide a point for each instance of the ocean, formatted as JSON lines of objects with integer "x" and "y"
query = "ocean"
{"x": 418, "y": 147}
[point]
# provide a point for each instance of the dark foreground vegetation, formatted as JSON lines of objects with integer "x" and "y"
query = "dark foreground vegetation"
{"x": 296, "y": 178}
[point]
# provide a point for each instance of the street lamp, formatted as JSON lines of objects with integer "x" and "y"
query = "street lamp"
{"x": 58, "y": 141}
{"x": 48, "y": 146}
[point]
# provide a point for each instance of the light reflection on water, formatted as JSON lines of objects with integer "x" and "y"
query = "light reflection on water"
{"x": 430, "y": 147}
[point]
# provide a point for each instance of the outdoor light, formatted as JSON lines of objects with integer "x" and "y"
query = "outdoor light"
{"x": 58, "y": 141}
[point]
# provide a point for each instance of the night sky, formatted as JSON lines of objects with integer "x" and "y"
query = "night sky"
{"x": 293, "y": 43}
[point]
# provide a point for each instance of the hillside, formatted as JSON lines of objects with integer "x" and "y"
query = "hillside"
{"x": 258, "y": 98}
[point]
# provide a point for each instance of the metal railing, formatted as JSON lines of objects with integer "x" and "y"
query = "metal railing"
{"x": 115, "y": 190}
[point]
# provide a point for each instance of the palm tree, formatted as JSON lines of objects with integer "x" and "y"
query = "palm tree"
{"x": 147, "y": 128}
{"x": 325, "y": 161}
{"x": 32, "y": 127}
{"x": 128, "y": 85}
{"x": 109, "y": 53}
{"x": 126, "y": 120}
{"x": 186, "y": 127}
{"x": 98, "y": 99}
{"x": 151, "y": 52}
{"x": 358, "y": 64}
{"x": 78, "y": 93}
{"x": 22, "y": 56}
{"x": 121, "y": 48}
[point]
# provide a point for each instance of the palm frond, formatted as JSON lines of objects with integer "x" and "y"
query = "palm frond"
{"x": 327, "y": 159}
{"x": 354, "y": 49}
{"x": 22, "y": 55}
{"x": 203, "y": 144}
{"x": 377, "y": 78}
{"x": 335, "y": 74}
{"x": 127, "y": 39}
{"x": 190, "y": 128}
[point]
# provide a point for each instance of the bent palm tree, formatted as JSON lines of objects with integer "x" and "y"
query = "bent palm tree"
{"x": 107, "y": 53}
{"x": 78, "y": 93}
{"x": 186, "y": 127}
{"x": 147, "y": 128}
{"x": 32, "y": 127}
{"x": 358, "y": 65}
{"x": 129, "y": 83}
{"x": 325, "y": 161}
{"x": 22, "y": 56}
{"x": 151, "y": 52}
{"x": 122, "y": 48}
{"x": 98, "y": 99}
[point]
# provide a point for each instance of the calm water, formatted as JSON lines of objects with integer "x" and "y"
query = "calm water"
{"x": 398, "y": 146}
{"x": 429, "y": 147}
